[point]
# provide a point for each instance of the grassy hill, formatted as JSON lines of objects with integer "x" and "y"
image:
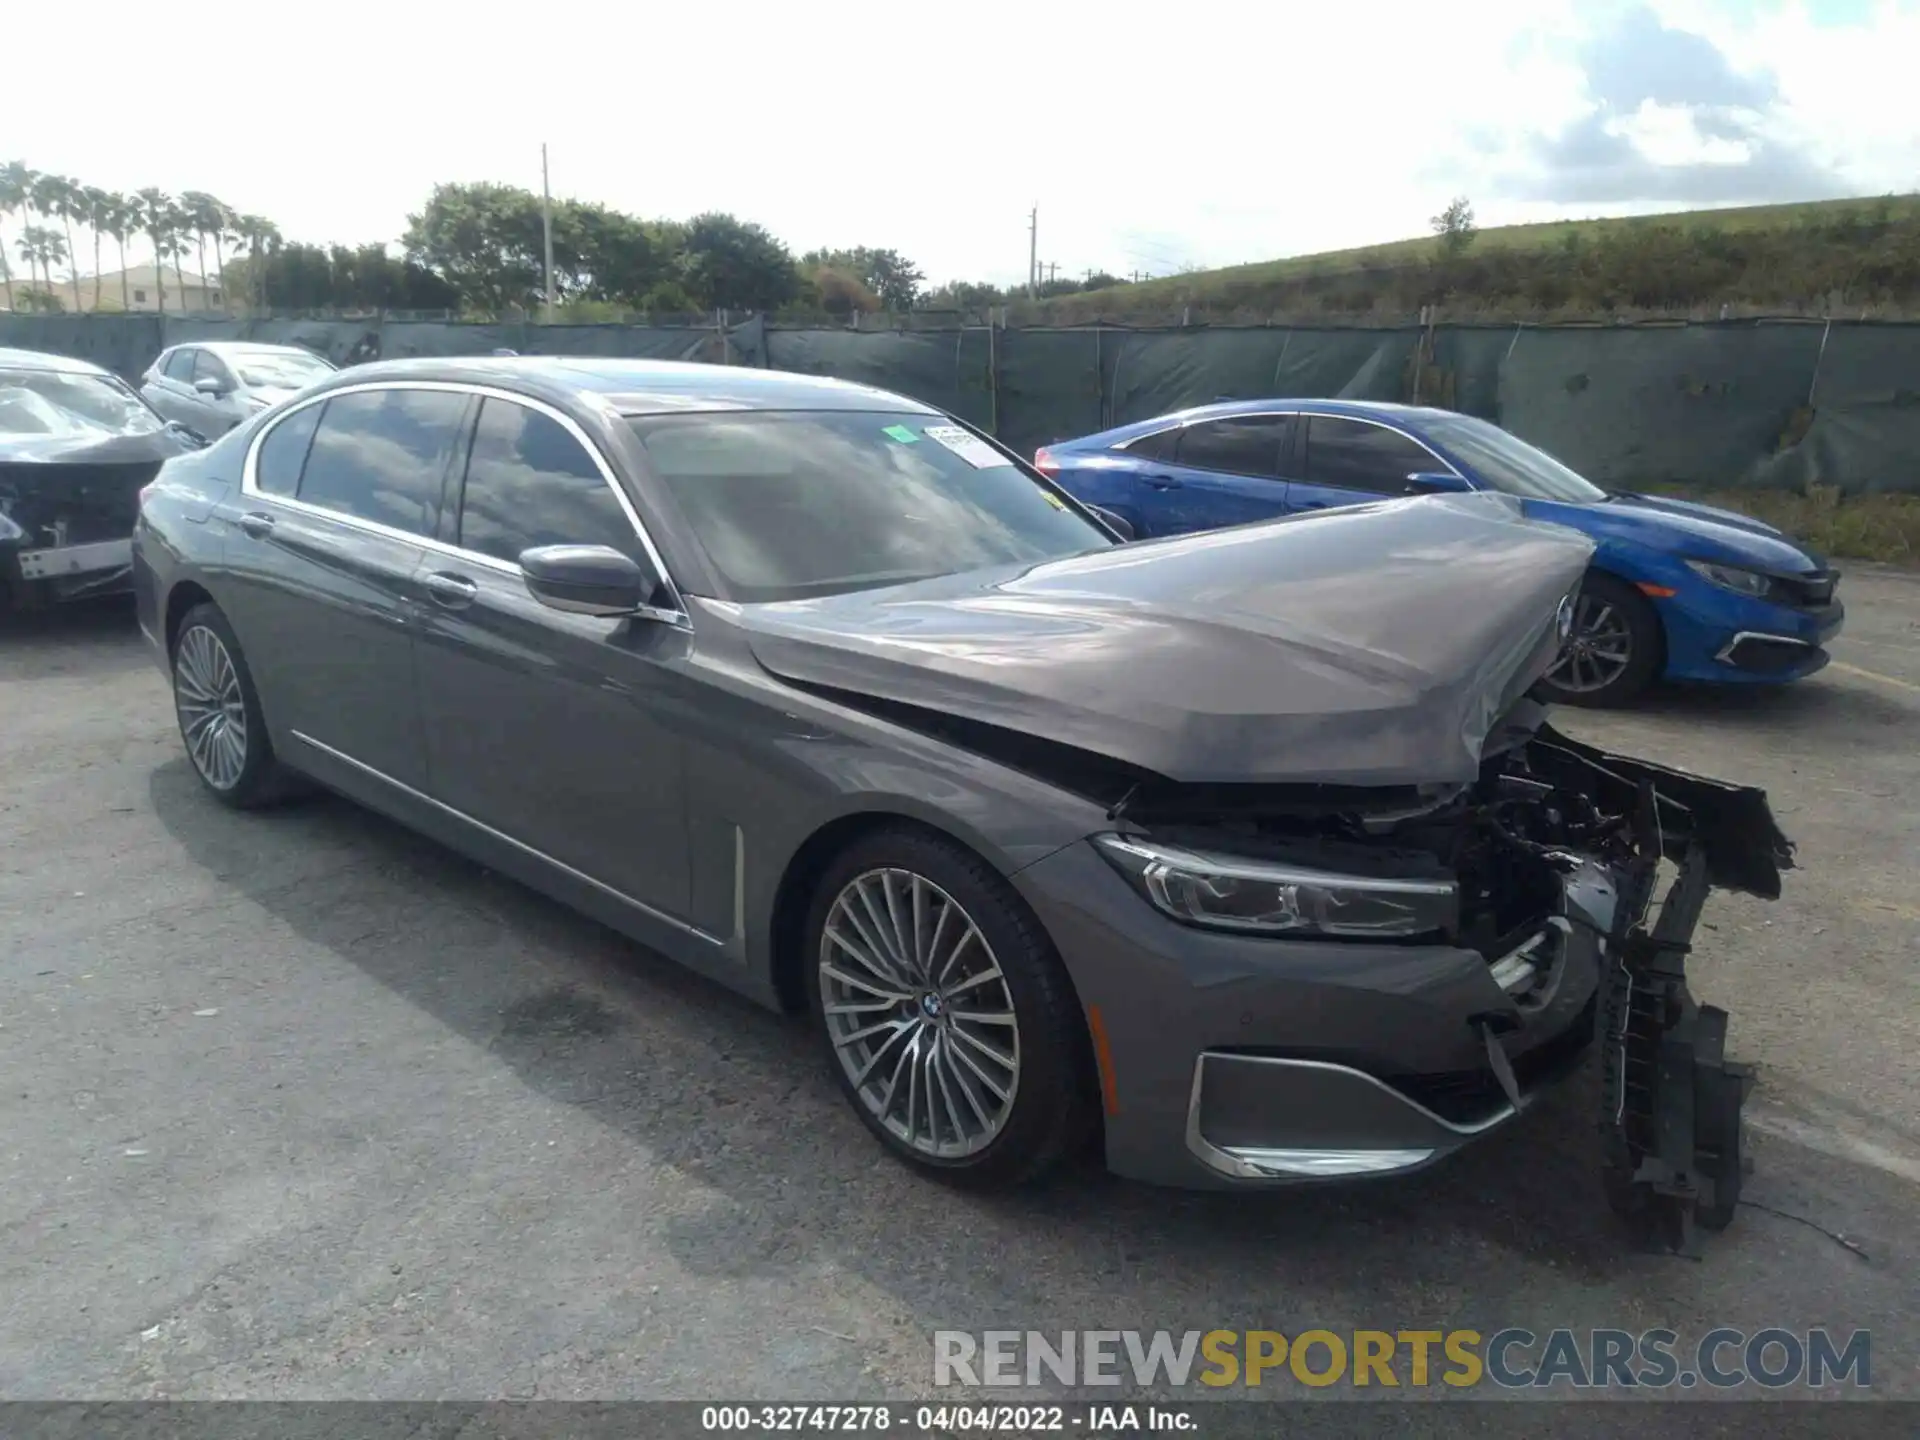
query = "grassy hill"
{"x": 1850, "y": 256}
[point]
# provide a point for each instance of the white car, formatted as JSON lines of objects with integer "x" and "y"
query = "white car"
{"x": 212, "y": 386}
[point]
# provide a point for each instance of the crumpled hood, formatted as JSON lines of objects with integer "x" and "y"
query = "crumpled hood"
{"x": 101, "y": 448}
{"x": 1373, "y": 645}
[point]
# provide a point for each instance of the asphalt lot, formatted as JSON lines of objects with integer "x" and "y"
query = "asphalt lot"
{"x": 301, "y": 1106}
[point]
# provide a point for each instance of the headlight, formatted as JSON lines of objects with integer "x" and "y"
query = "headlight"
{"x": 1232, "y": 892}
{"x": 1741, "y": 582}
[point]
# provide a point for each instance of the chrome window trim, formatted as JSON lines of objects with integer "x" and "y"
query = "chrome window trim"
{"x": 645, "y": 909}
{"x": 676, "y": 614}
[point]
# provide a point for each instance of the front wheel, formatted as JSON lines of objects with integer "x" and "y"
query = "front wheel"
{"x": 1616, "y": 647}
{"x": 953, "y": 1029}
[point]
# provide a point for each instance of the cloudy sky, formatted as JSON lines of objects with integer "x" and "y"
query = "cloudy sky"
{"x": 1200, "y": 134}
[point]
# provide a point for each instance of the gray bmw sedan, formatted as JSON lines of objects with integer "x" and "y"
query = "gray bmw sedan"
{"x": 1247, "y": 856}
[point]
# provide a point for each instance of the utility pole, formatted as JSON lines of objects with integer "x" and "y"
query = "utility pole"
{"x": 546, "y": 227}
{"x": 1051, "y": 267}
{"x": 1033, "y": 250}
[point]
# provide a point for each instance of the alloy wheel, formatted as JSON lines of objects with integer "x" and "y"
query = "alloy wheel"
{"x": 920, "y": 1016}
{"x": 213, "y": 713}
{"x": 1598, "y": 650}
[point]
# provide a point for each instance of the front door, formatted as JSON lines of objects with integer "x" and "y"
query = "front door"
{"x": 1350, "y": 461}
{"x": 552, "y": 728}
{"x": 324, "y": 549}
{"x": 1212, "y": 473}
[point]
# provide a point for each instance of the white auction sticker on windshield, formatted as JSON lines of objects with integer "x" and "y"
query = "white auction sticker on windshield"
{"x": 970, "y": 448}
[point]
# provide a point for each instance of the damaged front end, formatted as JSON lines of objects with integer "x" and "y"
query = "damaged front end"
{"x": 1555, "y": 837}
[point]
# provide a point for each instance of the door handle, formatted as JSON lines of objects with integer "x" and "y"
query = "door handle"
{"x": 1163, "y": 482}
{"x": 257, "y": 524}
{"x": 451, "y": 592}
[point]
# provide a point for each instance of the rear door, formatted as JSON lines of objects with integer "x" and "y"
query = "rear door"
{"x": 1350, "y": 461}
{"x": 339, "y": 499}
{"x": 1213, "y": 473}
{"x": 557, "y": 730}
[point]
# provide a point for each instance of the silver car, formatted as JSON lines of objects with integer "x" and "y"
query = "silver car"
{"x": 211, "y": 387}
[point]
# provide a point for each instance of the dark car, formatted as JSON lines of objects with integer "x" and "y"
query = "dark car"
{"x": 76, "y": 445}
{"x": 1247, "y": 852}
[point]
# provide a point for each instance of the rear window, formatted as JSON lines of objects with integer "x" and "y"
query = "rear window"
{"x": 795, "y": 504}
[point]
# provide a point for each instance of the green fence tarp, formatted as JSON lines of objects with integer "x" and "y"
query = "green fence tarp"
{"x": 1716, "y": 405}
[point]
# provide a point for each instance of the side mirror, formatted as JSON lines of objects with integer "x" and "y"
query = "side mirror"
{"x": 187, "y": 436}
{"x": 1113, "y": 522}
{"x": 207, "y": 385}
{"x": 587, "y": 579}
{"x": 1436, "y": 482}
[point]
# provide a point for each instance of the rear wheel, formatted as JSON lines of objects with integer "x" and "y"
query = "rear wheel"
{"x": 1616, "y": 647}
{"x": 951, "y": 1024}
{"x": 219, "y": 714}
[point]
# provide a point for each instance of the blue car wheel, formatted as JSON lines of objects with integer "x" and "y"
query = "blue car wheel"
{"x": 1616, "y": 648}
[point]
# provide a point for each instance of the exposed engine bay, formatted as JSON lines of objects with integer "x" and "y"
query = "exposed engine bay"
{"x": 1545, "y": 807}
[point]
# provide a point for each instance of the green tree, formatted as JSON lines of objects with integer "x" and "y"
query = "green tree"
{"x": 893, "y": 278}
{"x": 123, "y": 223}
{"x": 16, "y": 199}
{"x": 734, "y": 264}
{"x": 262, "y": 238}
{"x": 484, "y": 240}
{"x": 1454, "y": 225}
{"x": 966, "y": 295}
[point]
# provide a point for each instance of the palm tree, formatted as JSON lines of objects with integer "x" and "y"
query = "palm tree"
{"x": 64, "y": 199}
{"x": 123, "y": 219}
{"x": 44, "y": 245}
{"x": 260, "y": 235}
{"x": 177, "y": 232}
{"x": 154, "y": 209}
{"x": 97, "y": 207}
{"x": 200, "y": 214}
{"x": 16, "y": 197}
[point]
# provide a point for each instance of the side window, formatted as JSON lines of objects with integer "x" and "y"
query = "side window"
{"x": 1237, "y": 444}
{"x": 277, "y": 466}
{"x": 529, "y": 482}
{"x": 1158, "y": 446}
{"x": 180, "y": 364}
{"x": 379, "y": 455}
{"x": 1354, "y": 455}
{"x": 209, "y": 366}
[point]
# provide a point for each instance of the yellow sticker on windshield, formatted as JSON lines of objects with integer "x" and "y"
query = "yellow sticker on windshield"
{"x": 1053, "y": 499}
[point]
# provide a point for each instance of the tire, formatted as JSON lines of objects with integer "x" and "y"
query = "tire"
{"x": 219, "y": 714}
{"x": 974, "y": 1121}
{"x": 1609, "y": 616}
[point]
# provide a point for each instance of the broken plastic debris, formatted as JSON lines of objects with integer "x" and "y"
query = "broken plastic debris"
{"x": 152, "y": 1333}
{"x": 135, "y": 1153}
{"x": 211, "y": 1010}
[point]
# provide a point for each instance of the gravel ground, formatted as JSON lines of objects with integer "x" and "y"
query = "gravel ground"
{"x": 302, "y": 1106}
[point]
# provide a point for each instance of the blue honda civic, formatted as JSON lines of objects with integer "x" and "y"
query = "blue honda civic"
{"x": 1676, "y": 590}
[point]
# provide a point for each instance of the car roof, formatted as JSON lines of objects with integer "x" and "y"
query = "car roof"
{"x": 40, "y": 360}
{"x": 642, "y": 387}
{"x": 1410, "y": 415}
{"x": 245, "y": 347}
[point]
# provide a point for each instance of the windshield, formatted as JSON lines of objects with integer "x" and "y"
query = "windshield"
{"x": 53, "y": 402}
{"x": 276, "y": 370}
{"x": 795, "y": 504}
{"x": 1510, "y": 464}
